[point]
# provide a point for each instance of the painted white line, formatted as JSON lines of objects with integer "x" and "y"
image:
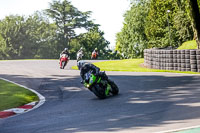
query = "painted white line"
{"x": 179, "y": 129}
{"x": 32, "y": 103}
{"x": 41, "y": 99}
{"x": 16, "y": 110}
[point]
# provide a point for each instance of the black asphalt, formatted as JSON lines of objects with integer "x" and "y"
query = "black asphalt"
{"x": 147, "y": 102}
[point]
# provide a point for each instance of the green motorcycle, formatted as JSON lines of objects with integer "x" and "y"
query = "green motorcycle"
{"x": 102, "y": 87}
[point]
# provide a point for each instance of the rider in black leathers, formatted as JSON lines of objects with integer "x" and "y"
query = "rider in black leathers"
{"x": 85, "y": 67}
{"x": 65, "y": 51}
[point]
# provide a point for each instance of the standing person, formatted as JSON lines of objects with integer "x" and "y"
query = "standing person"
{"x": 95, "y": 54}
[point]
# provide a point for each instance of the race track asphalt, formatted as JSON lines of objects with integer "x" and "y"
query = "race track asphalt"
{"x": 147, "y": 102}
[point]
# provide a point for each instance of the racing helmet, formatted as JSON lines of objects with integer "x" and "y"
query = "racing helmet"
{"x": 66, "y": 49}
{"x": 80, "y": 64}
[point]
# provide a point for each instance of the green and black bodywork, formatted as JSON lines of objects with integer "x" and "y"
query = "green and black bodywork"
{"x": 100, "y": 86}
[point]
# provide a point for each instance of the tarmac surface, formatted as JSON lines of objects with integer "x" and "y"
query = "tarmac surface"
{"x": 147, "y": 102}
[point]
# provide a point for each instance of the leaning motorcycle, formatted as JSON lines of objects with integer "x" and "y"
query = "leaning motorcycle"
{"x": 79, "y": 56}
{"x": 101, "y": 87}
{"x": 63, "y": 60}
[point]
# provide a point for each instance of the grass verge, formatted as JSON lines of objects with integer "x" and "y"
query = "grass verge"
{"x": 130, "y": 65}
{"x": 12, "y": 95}
{"x": 188, "y": 45}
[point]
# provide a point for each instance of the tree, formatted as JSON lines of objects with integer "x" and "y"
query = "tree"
{"x": 195, "y": 17}
{"x": 23, "y": 38}
{"x": 181, "y": 21}
{"x": 164, "y": 28}
{"x": 91, "y": 40}
{"x": 12, "y": 34}
{"x": 158, "y": 23}
{"x": 45, "y": 36}
{"x": 132, "y": 40}
{"x": 148, "y": 24}
{"x": 67, "y": 18}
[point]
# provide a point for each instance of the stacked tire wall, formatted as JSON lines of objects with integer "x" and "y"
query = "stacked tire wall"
{"x": 179, "y": 60}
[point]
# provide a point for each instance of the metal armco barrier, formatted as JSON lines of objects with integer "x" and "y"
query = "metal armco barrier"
{"x": 179, "y": 60}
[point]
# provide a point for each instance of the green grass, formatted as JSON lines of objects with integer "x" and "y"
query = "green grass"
{"x": 130, "y": 65}
{"x": 12, "y": 95}
{"x": 188, "y": 45}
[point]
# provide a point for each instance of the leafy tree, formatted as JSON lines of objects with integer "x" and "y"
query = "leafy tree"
{"x": 181, "y": 21}
{"x": 148, "y": 24}
{"x": 67, "y": 18}
{"x": 158, "y": 24}
{"x": 45, "y": 37}
{"x": 94, "y": 39}
{"x": 132, "y": 40}
{"x": 195, "y": 18}
{"x": 164, "y": 28}
{"x": 3, "y": 48}
{"x": 30, "y": 37}
{"x": 11, "y": 32}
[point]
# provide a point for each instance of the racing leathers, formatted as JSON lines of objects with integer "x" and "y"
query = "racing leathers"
{"x": 88, "y": 67}
{"x": 94, "y": 69}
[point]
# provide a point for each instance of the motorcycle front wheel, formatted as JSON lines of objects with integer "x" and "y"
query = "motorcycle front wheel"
{"x": 63, "y": 64}
{"x": 98, "y": 91}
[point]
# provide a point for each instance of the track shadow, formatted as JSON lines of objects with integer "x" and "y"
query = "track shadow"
{"x": 143, "y": 101}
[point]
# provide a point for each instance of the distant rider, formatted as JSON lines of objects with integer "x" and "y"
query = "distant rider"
{"x": 95, "y": 54}
{"x": 80, "y": 50}
{"x": 65, "y": 51}
{"x": 80, "y": 54}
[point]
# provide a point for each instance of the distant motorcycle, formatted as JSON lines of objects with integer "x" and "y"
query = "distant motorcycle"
{"x": 63, "y": 60}
{"x": 94, "y": 55}
{"x": 79, "y": 56}
{"x": 99, "y": 86}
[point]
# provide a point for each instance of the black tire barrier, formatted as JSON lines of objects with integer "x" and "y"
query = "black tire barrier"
{"x": 198, "y": 57}
{"x": 178, "y": 56}
{"x": 187, "y": 56}
{"x": 198, "y": 52}
{"x": 192, "y": 52}
{"x": 193, "y": 66}
{"x": 187, "y": 69}
{"x": 187, "y": 61}
{"x": 187, "y": 65}
{"x": 187, "y": 51}
{"x": 193, "y": 57}
{"x": 182, "y": 60}
{"x": 193, "y": 61}
{"x": 194, "y": 70}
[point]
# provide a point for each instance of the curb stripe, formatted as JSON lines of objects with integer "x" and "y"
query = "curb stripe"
{"x": 5, "y": 114}
{"x": 26, "y": 107}
{"x": 23, "y": 108}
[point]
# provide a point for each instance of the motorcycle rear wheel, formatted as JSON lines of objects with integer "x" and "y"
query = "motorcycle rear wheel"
{"x": 115, "y": 89}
